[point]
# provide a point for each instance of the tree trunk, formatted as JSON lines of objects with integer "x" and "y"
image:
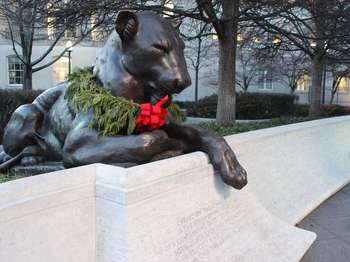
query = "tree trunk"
{"x": 335, "y": 85}
{"x": 316, "y": 87}
{"x": 226, "y": 111}
{"x": 332, "y": 98}
{"x": 196, "y": 84}
{"x": 324, "y": 75}
{"x": 245, "y": 85}
{"x": 199, "y": 50}
{"x": 27, "y": 78}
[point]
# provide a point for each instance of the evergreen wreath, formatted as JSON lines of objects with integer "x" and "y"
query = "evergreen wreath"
{"x": 112, "y": 115}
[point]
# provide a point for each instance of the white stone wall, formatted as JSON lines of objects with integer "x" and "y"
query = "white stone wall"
{"x": 178, "y": 209}
{"x": 294, "y": 168}
{"x": 49, "y": 218}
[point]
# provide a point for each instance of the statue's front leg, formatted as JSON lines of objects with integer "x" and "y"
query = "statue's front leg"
{"x": 220, "y": 154}
{"x": 84, "y": 145}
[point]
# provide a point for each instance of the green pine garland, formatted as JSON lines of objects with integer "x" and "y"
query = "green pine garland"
{"x": 175, "y": 111}
{"x": 112, "y": 115}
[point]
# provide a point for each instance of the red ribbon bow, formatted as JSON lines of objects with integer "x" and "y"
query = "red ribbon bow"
{"x": 152, "y": 116}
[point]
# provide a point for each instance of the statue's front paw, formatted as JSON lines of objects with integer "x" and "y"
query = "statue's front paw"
{"x": 31, "y": 160}
{"x": 232, "y": 173}
{"x": 4, "y": 157}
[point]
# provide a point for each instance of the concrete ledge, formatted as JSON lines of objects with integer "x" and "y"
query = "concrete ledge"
{"x": 189, "y": 216}
{"x": 172, "y": 210}
{"x": 49, "y": 217}
{"x": 177, "y": 209}
{"x": 198, "y": 120}
{"x": 293, "y": 169}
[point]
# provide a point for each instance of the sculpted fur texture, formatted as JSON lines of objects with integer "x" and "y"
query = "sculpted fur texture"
{"x": 142, "y": 60}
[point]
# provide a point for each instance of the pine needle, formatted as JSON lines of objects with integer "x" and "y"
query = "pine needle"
{"x": 113, "y": 115}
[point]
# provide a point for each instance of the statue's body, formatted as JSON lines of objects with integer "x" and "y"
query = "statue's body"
{"x": 142, "y": 60}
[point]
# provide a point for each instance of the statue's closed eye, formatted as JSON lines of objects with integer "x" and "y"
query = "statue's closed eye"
{"x": 163, "y": 46}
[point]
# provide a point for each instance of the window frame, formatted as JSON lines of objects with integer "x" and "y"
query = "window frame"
{"x": 346, "y": 86}
{"x": 61, "y": 63}
{"x": 303, "y": 79}
{"x": 171, "y": 5}
{"x": 8, "y": 71}
{"x": 262, "y": 85}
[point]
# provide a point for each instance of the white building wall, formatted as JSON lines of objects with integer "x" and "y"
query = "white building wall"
{"x": 340, "y": 98}
{"x": 84, "y": 55}
{"x": 81, "y": 56}
{"x": 207, "y": 84}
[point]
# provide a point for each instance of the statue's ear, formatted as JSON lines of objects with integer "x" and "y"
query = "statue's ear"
{"x": 126, "y": 25}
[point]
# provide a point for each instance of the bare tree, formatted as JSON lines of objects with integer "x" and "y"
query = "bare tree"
{"x": 319, "y": 29}
{"x": 338, "y": 71}
{"x": 247, "y": 65}
{"x": 253, "y": 53}
{"x": 25, "y": 16}
{"x": 291, "y": 67}
{"x": 199, "y": 48}
{"x": 27, "y": 21}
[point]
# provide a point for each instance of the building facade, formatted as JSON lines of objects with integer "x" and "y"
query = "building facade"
{"x": 265, "y": 78}
{"x": 11, "y": 69}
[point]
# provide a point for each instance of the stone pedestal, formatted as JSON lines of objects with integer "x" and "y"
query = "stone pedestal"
{"x": 170, "y": 210}
{"x": 49, "y": 218}
{"x": 178, "y": 210}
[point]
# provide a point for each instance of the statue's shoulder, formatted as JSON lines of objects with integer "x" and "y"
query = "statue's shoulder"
{"x": 111, "y": 50}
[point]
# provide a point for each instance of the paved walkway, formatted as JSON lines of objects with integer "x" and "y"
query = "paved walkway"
{"x": 331, "y": 223}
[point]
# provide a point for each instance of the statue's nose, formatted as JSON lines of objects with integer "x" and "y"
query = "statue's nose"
{"x": 181, "y": 83}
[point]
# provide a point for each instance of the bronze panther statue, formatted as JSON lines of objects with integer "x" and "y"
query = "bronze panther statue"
{"x": 142, "y": 60}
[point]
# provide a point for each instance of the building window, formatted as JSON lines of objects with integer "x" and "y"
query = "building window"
{"x": 240, "y": 37}
{"x": 60, "y": 70}
{"x": 343, "y": 85}
{"x": 264, "y": 79}
{"x": 170, "y": 5}
{"x": 303, "y": 84}
{"x": 15, "y": 70}
{"x": 53, "y": 32}
{"x": 70, "y": 33}
{"x": 94, "y": 32}
{"x": 50, "y": 29}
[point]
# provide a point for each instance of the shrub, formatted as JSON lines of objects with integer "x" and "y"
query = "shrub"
{"x": 205, "y": 107}
{"x": 264, "y": 105}
{"x": 301, "y": 110}
{"x": 250, "y": 126}
{"x": 10, "y": 99}
{"x": 249, "y": 106}
{"x": 335, "y": 110}
{"x": 327, "y": 110}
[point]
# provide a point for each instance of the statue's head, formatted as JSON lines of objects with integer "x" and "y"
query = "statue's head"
{"x": 152, "y": 53}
